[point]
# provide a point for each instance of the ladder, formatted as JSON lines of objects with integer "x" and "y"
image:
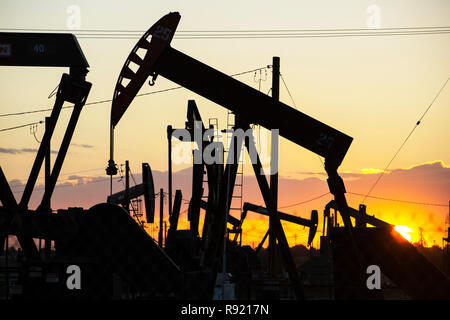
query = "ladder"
{"x": 213, "y": 123}
{"x": 237, "y": 196}
{"x": 239, "y": 185}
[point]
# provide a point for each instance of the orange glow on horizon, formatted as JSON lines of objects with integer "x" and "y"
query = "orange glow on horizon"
{"x": 255, "y": 228}
{"x": 404, "y": 231}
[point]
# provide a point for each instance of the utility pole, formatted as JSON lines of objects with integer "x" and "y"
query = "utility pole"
{"x": 165, "y": 232}
{"x": 169, "y": 139}
{"x": 127, "y": 186}
{"x": 161, "y": 208}
{"x": 227, "y": 210}
{"x": 47, "y": 244}
{"x": 274, "y": 171}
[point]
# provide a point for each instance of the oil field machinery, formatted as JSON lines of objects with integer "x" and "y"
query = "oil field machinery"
{"x": 115, "y": 253}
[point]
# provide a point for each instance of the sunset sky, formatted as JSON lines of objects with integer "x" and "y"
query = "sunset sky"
{"x": 374, "y": 89}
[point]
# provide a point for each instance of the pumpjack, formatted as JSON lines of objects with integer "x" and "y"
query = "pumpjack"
{"x": 91, "y": 239}
{"x": 154, "y": 56}
{"x": 249, "y": 106}
{"x": 382, "y": 246}
{"x": 115, "y": 253}
{"x": 51, "y": 50}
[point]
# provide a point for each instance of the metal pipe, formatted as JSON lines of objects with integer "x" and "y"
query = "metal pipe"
{"x": 84, "y": 91}
{"x": 127, "y": 186}
{"x": 47, "y": 242}
{"x": 357, "y": 215}
{"x": 45, "y": 143}
{"x": 283, "y": 216}
{"x": 273, "y": 263}
{"x": 227, "y": 209}
{"x": 161, "y": 208}
{"x": 169, "y": 139}
{"x": 165, "y": 232}
{"x": 111, "y": 157}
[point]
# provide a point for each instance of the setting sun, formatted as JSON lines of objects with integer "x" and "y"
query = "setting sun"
{"x": 404, "y": 231}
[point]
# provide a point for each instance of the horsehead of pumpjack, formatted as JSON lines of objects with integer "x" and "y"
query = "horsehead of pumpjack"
{"x": 152, "y": 44}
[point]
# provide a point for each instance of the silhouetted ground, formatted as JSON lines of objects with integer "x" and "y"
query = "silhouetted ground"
{"x": 300, "y": 254}
{"x": 434, "y": 254}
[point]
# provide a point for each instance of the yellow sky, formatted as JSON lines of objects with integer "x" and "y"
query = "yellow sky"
{"x": 373, "y": 89}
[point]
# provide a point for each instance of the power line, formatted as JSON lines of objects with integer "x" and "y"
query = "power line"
{"x": 65, "y": 174}
{"x": 287, "y": 89}
{"x": 295, "y": 105}
{"x": 374, "y": 197}
{"x": 249, "y": 34}
{"x": 227, "y": 30}
{"x": 249, "y": 71}
{"x": 66, "y": 185}
{"x": 303, "y": 202}
{"x": 173, "y": 196}
{"x": 86, "y": 104}
{"x": 398, "y": 200}
{"x": 404, "y": 141}
{"x": 110, "y": 100}
{"x": 21, "y": 126}
{"x": 275, "y": 36}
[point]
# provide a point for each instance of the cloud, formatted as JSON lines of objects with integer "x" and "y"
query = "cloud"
{"x": 19, "y": 151}
{"x": 34, "y": 150}
{"x": 86, "y": 146}
{"x": 11, "y": 151}
{"x": 371, "y": 170}
{"x": 15, "y": 183}
{"x": 426, "y": 170}
{"x": 433, "y": 163}
{"x": 427, "y": 182}
{"x": 418, "y": 177}
{"x": 75, "y": 177}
